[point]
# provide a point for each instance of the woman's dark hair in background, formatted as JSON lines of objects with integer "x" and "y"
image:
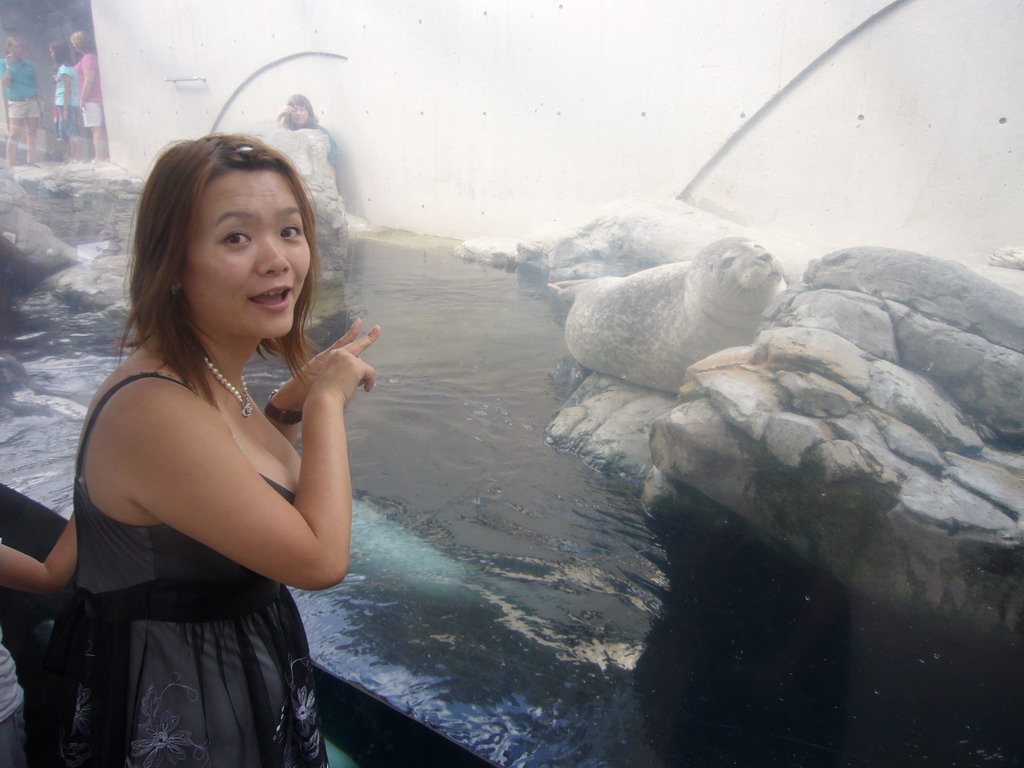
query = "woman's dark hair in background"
{"x": 61, "y": 52}
{"x": 298, "y": 100}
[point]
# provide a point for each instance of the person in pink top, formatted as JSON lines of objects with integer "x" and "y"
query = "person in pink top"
{"x": 90, "y": 94}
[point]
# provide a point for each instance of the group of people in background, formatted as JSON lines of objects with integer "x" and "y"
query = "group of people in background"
{"x": 77, "y": 103}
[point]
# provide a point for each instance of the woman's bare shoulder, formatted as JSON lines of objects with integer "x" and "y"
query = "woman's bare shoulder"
{"x": 147, "y": 436}
{"x": 139, "y": 416}
{"x": 142, "y": 365}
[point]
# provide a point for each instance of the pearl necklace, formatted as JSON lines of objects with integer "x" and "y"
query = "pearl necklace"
{"x": 242, "y": 397}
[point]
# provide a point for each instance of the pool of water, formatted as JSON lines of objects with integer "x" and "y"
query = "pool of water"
{"x": 499, "y": 589}
{"x": 530, "y": 608}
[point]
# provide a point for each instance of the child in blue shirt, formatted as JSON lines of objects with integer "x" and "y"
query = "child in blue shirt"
{"x": 65, "y": 103}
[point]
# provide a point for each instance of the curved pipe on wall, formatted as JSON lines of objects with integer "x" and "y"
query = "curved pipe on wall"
{"x": 265, "y": 68}
{"x": 764, "y": 109}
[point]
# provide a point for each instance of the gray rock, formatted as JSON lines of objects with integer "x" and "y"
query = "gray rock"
{"x": 87, "y": 181}
{"x": 869, "y": 429}
{"x": 986, "y": 380}
{"x": 810, "y": 350}
{"x": 742, "y": 396}
{"x": 841, "y": 461}
{"x": 607, "y": 422}
{"x": 908, "y": 443}
{"x": 501, "y": 253}
{"x": 814, "y": 395}
{"x": 910, "y": 398}
{"x": 1010, "y": 460}
{"x": 940, "y": 289}
{"x": 96, "y": 286}
{"x": 37, "y": 252}
{"x": 92, "y": 285}
{"x": 788, "y": 436}
{"x": 961, "y": 555}
{"x": 989, "y": 481}
{"x": 102, "y": 193}
{"x": 948, "y": 506}
{"x": 862, "y": 320}
{"x": 864, "y": 494}
{"x": 694, "y": 445}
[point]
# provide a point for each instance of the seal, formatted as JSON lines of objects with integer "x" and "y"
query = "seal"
{"x": 649, "y": 327}
{"x": 1009, "y": 257}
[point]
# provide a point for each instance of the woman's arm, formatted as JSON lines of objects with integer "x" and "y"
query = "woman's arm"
{"x": 87, "y": 81}
{"x": 292, "y": 394}
{"x": 66, "y": 79}
{"x": 158, "y": 453}
{"x": 24, "y": 572}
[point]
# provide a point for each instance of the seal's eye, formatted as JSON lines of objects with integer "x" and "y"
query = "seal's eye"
{"x": 727, "y": 262}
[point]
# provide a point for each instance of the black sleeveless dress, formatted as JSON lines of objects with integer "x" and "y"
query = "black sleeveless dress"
{"x": 174, "y": 655}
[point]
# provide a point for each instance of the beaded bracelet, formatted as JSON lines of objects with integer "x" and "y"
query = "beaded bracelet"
{"x": 280, "y": 415}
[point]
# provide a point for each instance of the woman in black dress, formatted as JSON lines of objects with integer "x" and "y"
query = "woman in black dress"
{"x": 192, "y": 508}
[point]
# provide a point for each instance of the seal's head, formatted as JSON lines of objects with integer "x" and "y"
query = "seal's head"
{"x": 736, "y": 269}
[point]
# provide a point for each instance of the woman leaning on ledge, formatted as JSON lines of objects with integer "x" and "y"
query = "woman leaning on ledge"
{"x": 192, "y": 509}
{"x": 297, "y": 115}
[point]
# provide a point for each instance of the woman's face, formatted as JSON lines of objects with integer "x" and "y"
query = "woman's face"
{"x": 247, "y": 258}
{"x": 300, "y": 116}
{"x": 14, "y": 49}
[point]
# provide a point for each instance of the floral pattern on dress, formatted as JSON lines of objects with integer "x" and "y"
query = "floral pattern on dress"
{"x": 299, "y": 727}
{"x": 77, "y": 748}
{"x": 159, "y": 734}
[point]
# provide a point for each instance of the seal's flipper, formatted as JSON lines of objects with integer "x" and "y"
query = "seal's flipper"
{"x": 565, "y": 291}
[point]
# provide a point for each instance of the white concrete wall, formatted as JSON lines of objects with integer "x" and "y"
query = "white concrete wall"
{"x": 911, "y": 136}
{"x": 495, "y": 117}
